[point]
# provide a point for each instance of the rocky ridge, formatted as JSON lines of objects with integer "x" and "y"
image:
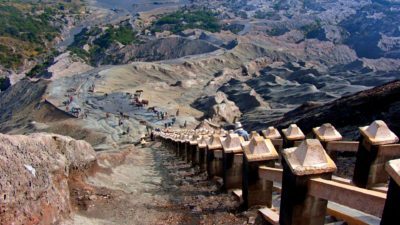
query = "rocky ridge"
{"x": 349, "y": 112}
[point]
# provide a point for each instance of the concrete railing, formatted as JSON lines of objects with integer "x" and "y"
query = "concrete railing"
{"x": 348, "y": 195}
{"x": 364, "y": 200}
{"x": 307, "y": 167}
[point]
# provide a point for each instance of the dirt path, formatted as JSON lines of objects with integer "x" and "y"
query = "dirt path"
{"x": 152, "y": 187}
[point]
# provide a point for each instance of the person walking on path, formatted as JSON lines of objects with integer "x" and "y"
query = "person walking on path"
{"x": 240, "y": 131}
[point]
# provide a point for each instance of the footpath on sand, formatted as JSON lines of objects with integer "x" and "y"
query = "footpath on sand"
{"x": 150, "y": 186}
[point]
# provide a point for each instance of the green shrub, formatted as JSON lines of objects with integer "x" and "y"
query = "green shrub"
{"x": 188, "y": 19}
{"x": 81, "y": 53}
{"x": 123, "y": 34}
{"x": 31, "y": 34}
{"x": 8, "y": 59}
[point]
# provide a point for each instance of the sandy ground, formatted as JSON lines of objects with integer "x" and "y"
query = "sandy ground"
{"x": 150, "y": 186}
{"x": 110, "y": 96}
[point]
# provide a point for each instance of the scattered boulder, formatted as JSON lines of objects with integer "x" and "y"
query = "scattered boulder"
{"x": 218, "y": 107}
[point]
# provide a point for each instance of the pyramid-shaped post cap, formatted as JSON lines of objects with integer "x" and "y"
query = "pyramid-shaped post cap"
{"x": 308, "y": 158}
{"x": 214, "y": 142}
{"x": 223, "y": 132}
{"x": 193, "y": 140}
{"x": 180, "y": 137}
{"x": 327, "y": 132}
{"x": 271, "y": 133}
{"x": 204, "y": 132}
{"x": 293, "y": 132}
{"x": 184, "y": 138}
{"x": 176, "y": 137}
{"x": 173, "y": 137}
{"x": 220, "y": 131}
{"x": 189, "y": 137}
{"x": 259, "y": 149}
{"x": 379, "y": 133}
{"x": 202, "y": 142}
{"x": 254, "y": 134}
{"x": 393, "y": 169}
{"x": 232, "y": 143}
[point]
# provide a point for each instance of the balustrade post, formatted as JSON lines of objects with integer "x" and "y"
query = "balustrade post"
{"x": 188, "y": 153}
{"x": 325, "y": 134}
{"x": 175, "y": 144}
{"x": 214, "y": 156}
{"x": 172, "y": 143}
{"x": 391, "y": 210}
{"x": 257, "y": 152}
{"x": 185, "y": 143}
{"x": 300, "y": 164}
{"x": 168, "y": 141}
{"x": 201, "y": 155}
{"x": 273, "y": 134}
{"x": 182, "y": 146}
{"x": 370, "y": 164}
{"x": 291, "y": 135}
{"x": 178, "y": 146}
{"x": 232, "y": 161}
{"x": 192, "y": 149}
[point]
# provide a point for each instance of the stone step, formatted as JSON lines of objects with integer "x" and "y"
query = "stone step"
{"x": 238, "y": 193}
{"x": 269, "y": 215}
{"x": 351, "y": 216}
{"x": 380, "y": 188}
{"x": 336, "y": 223}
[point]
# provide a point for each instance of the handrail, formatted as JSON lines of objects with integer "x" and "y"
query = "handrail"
{"x": 271, "y": 174}
{"x": 342, "y": 146}
{"x": 392, "y": 150}
{"x": 367, "y": 201}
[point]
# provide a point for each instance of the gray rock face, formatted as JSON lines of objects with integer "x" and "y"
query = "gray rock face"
{"x": 218, "y": 107}
{"x": 162, "y": 49}
{"x": 35, "y": 170}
